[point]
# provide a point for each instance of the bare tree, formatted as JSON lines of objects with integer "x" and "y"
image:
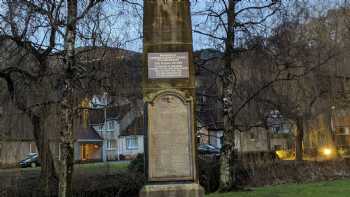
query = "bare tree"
{"x": 33, "y": 30}
{"x": 230, "y": 19}
{"x": 19, "y": 19}
{"x": 258, "y": 56}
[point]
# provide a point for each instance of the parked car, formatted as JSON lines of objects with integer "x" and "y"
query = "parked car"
{"x": 31, "y": 160}
{"x": 208, "y": 149}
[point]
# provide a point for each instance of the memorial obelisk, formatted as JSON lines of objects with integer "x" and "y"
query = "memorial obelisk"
{"x": 169, "y": 95}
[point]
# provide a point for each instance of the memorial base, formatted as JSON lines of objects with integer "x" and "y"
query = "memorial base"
{"x": 172, "y": 190}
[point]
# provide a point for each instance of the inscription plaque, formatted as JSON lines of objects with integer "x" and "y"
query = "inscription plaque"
{"x": 169, "y": 139}
{"x": 168, "y": 65}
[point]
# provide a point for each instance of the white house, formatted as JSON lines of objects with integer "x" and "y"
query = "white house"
{"x": 131, "y": 138}
{"x": 119, "y": 127}
{"x": 109, "y": 131}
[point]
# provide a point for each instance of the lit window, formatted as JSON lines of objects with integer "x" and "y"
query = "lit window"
{"x": 131, "y": 143}
{"x": 347, "y": 131}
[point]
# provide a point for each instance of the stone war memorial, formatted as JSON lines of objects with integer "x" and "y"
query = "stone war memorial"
{"x": 169, "y": 95}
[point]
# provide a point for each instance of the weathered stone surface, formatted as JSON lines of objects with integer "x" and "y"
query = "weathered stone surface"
{"x": 170, "y": 125}
{"x": 169, "y": 98}
{"x": 170, "y": 141}
{"x": 172, "y": 190}
{"x": 167, "y": 22}
{"x": 167, "y": 28}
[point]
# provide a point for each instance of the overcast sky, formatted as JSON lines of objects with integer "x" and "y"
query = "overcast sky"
{"x": 122, "y": 23}
{"x": 134, "y": 24}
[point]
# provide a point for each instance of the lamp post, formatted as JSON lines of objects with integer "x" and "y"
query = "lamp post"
{"x": 333, "y": 126}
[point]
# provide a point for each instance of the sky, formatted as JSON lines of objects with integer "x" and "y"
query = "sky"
{"x": 121, "y": 24}
{"x": 315, "y": 8}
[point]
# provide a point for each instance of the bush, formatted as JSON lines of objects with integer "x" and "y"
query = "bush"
{"x": 122, "y": 184}
{"x": 138, "y": 164}
{"x": 209, "y": 173}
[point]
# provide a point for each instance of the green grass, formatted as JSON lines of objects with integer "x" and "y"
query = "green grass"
{"x": 101, "y": 166}
{"x": 339, "y": 188}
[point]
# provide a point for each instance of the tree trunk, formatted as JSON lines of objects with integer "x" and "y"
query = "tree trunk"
{"x": 48, "y": 178}
{"x": 228, "y": 164}
{"x": 67, "y": 113}
{"x": 67, "y": 151}
{"x": 268, "y": 140}
{"x": 227, "y": 169}
{"x": 299, "y": 139}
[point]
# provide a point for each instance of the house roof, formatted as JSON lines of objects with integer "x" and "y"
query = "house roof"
{"x": 87, "y": 134}
{"x": 210, "y": 120}
{"x": 135, "y": 128}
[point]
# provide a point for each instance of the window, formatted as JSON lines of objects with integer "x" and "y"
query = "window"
{"x": 340, "y": 131}
{"x": 252, "y": 136}
{"x": 202, "y": 100}
{"x": 131, "y": 143}
{"x": 277, "y": 147}
{"x": 347, "y": 131}
{"x": 275, "y": 129}
{"x": 110, "y": 125}
{"x": 111, "y": 144}
{"x": 32, "y": 148}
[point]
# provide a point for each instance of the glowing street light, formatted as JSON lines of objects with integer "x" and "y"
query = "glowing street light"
{"x": 327, "y": 152}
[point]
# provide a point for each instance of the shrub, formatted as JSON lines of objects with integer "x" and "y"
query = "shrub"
{"x": 209, "y": 173}
{"x": 138, "y": 164}
{"x": 122, "y": 184}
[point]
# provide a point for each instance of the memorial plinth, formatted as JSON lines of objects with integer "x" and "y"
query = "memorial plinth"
{"x": 169, "y": 142}
{"x": 169, "y": 95}
{"x": 172, "y": 190}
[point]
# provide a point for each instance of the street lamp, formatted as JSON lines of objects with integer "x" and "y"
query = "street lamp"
{"x": 333, "y": 120}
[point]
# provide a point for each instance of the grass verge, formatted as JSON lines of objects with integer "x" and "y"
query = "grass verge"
{"x": 337, "y": 188}
{"x": 102, "y": 165}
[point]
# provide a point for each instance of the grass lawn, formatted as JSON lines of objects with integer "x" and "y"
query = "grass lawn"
{"x": 101, "y": 167}
{"x": 339, "y": 188}
{"x": 87, "y": 167}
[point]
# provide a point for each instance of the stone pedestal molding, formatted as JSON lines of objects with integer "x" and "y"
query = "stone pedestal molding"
{"x": 172, "y": 190}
